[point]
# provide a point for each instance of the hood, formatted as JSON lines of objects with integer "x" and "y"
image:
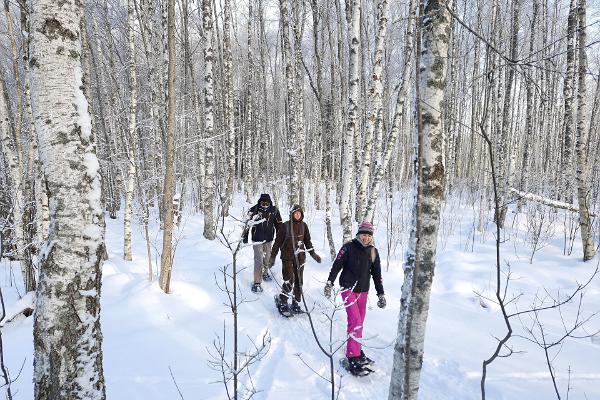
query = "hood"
{"x": 295, "y": 208}
{"x": 264, "y": 197}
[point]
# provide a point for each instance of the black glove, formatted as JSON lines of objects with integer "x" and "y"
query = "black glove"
{"x": 315, "y": 257}
{"x": 327, "y": 289}
{"x": 245, "y": 239}
{"x": 381, "y": 303}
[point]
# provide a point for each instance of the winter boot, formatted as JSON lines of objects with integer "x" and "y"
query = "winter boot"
{"x": 296, "y": 309}
{"x": 283, "y": 308}
{"x": 364, "y": 360}
{"x": 256, "y": 288}
{"x": 266, "y": 275}
{"x": 356, "y": 368}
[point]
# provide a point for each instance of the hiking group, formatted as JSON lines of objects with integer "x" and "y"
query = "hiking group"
{"x": 358, "y": 261}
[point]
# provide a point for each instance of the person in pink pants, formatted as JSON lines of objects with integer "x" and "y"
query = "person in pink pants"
{"x": 358, "y": 260}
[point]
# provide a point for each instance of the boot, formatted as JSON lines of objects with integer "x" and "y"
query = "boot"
{"x": 356, "y": 368}
{"x": 256, "y": 288}
{"x": 296, "y": 309}
{"x": 364, "y": 360}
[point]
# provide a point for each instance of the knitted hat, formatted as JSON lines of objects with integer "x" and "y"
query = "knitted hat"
{"x": 365, "y": 227}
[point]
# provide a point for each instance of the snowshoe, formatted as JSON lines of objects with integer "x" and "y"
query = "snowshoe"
{"x": 283, "y": 308}
{"x": 353, "y": 366}
{"x": 364, "y": 360}
{"x": 296, "y": 309}
{"x": 256, "y": 288}
{"x": 266, "y": 275}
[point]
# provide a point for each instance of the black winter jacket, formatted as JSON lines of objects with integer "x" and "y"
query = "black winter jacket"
{"x": 271, "y": 219}
{"x": 357, "y": 265}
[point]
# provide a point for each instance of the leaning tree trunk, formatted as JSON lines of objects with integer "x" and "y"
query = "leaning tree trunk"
{"x": 351, "y": 125}
{"x": 587, "y": 237}
{"x": 374, "y": 119}
{"x": 208, "y": 197}
{"x": 430, "y": 180}
{"x": 166, "y": 258}
{"x": 383, "y": 160}
{"x": 68, "y": 362}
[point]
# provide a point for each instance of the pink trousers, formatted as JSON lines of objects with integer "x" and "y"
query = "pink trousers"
{"x": 356, "y": 308}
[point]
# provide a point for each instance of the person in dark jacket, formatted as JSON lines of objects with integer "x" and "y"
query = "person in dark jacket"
{"x": 264, "y": 219}
{"x": 293, "y": 238}
{"x": 359, "y": 261}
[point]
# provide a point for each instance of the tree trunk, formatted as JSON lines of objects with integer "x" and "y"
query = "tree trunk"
{"x": 383, "y": 161}
{"x": 166, "y": 258}
{"x": 430, "y": 179}
{"x": 131, "y": 161}
{"x": 346, "y": 205}
{"x": 585, "y": 225}
{"x": 228, "y": 106}
{"x": 374, "y": 119}
{"x": 208, "y": 200}
{"x": 68, "y": 363}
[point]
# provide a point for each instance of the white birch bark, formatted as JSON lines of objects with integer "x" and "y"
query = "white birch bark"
{"x": 166, "y": 257}
{"x": 565, "y": 185}
{"x": 503, "y": 148}
{"x": 346, "y": 206}
{"x": 292, "y": 117}
{"x": 582, "y": 172}
{"x": 375, "y": 102}
{"x": 228, "y": 105}
{"x": 420, "y": 263}
{"x": 382, "y": 163}
{"x": 68, "y": 362}
{"x": 15, "y": 172}
{"x": 299, "y": 136}
{"x": 131, "y": 161}
{"x": 209, "y": 189}
{"x": 249, "y": 149}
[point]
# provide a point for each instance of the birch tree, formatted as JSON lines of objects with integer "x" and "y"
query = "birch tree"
{"x": 430, "y": 179}
{"x": 352, "y": 123}
{"x": 568, "y": 94}
{"x": 208, "y": 200}
{"x": 581, "y": 139}
{"x": 68, "y": 362}
{"x": 401, "y": 106}
{"x": 166, "y": 257}
{"x": 228, "y": 106}
{"x": 375, "y": 101}
{"x": 292, "y": 117}
{"x": 131, "y": 162}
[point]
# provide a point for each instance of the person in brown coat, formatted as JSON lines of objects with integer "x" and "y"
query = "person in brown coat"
{"x": 293, "y": 238}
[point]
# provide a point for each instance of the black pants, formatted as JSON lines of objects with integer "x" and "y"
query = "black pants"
{"x": 290, "y": 281}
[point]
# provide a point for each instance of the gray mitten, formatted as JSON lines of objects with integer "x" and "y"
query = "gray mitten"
{"x": 381, "y": 303}
{"x": 327, "y": 289}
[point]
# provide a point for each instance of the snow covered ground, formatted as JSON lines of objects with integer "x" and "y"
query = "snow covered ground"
{"x": 156, "y": 344}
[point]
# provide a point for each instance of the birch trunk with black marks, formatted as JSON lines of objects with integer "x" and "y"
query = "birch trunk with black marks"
{"x": 67, "y": 335}
{"x": 582, "y": 172}
{"x": 346, "y": 205}
{"x": 430, "y": 179}
{"x": 208, "y": 196}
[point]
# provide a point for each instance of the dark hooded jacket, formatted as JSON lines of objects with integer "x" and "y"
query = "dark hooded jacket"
{"x": 270, "y": 218}
{"x": 358, "y": 263}
{"x": 292, "y": 235}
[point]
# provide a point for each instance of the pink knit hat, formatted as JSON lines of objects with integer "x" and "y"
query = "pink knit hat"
{"x": 365, "y": 227}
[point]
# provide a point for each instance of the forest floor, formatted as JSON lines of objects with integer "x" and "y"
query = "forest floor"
{"x": 159, "y": 346}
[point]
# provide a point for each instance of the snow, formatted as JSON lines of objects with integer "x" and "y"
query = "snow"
{"x": 152, "y": 340}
